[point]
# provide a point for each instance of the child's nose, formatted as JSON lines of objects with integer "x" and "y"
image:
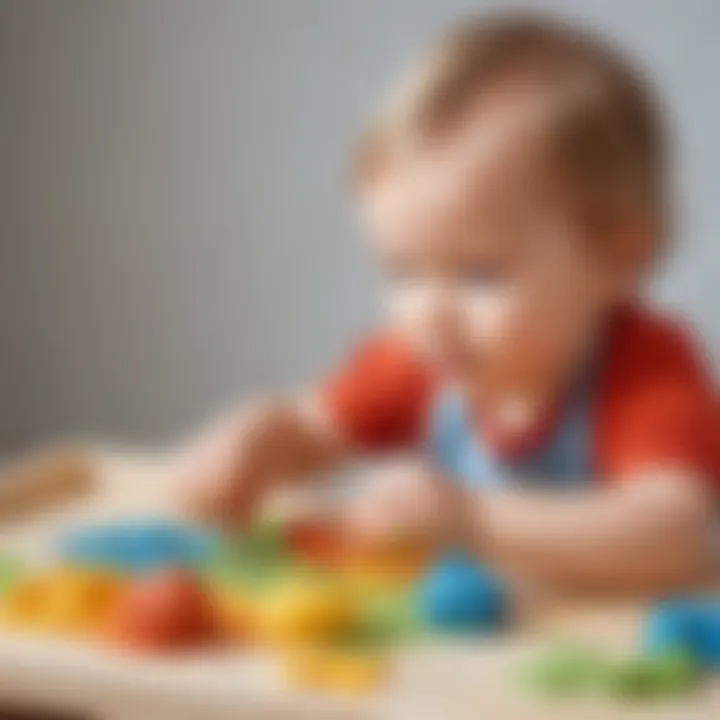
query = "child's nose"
{"x": 442, "y": 318}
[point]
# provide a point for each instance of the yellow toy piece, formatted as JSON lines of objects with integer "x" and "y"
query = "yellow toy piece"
{"x": 22, "y": 607}
{"x": 66, "y": 601}
{"x": 334, "y": 669}
{"x": 82, "y": 601}
{"x": 306, "y": 612}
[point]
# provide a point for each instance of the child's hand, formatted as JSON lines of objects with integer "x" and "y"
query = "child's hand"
{"x": 415, "y": 500}
{"x": 223, "y": 472}
{"x": 227, "y": 471}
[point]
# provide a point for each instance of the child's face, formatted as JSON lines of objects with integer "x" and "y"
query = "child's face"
{"x": 488, "y": 275}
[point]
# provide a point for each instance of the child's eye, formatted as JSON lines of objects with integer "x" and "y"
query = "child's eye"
{"x": 401, "y": 273}
{"x": 483, "y": 275}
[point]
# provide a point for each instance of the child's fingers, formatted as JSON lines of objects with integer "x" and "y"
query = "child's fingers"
{"x": 367, "y": 519}
{"x": 244, "y": 494}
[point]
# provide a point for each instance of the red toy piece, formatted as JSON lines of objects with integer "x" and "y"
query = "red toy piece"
{"x": 318, "y": 542}
{"x": 169, "y": 611}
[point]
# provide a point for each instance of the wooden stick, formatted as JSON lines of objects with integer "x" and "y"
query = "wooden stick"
{"x": 43, "y": 479}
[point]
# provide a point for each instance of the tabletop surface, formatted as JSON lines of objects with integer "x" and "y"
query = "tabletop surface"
{"x": 460, "y": 680}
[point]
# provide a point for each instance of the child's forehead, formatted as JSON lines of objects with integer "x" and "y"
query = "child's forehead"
{"x": 495, "y": 162}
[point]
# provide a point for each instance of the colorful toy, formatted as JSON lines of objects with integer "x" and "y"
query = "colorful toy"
{"x": 307, "y": 611}
{"x": 691, "y": 626}
{"x": 387, "y": 617}
{"x": 165, "y": 612}
{"x": 66, "y": 601}
{"x": 668, "y": 627}
{"x": 653, "y": 678}
{"x": 572, "y": 670}
{"x": 675, "y": 673}
{"x": 393, "y": 563}
{"x": 320, "y": 543}
{"x": 12, "y": 571}
{"x": 335, "y": 669}
{"x": 458, "y": 595}
{"x": 261, "y": 542}
{"x": 140, "y": 546}
{"x": 236, "y": 614}
{"x": 24, "y": 607}
{"x": 252, "y": 561}
{"x": 564, "y": 670}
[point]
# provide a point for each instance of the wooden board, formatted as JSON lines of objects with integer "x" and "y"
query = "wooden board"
{"x": 451, "y": 681}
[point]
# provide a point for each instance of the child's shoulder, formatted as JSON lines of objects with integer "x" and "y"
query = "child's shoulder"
{"x": 657, "y": 398}
{"x": 658, "y": 341}
{"x": 651, "y": 353}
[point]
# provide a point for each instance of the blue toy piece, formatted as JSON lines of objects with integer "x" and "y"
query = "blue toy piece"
{"x": 458, "y": 595}
{"x": 706, "y": 635}
{"x": 691, "y": 626}
{"x": 668, "y": 628}
{"x": 136, "y": 547}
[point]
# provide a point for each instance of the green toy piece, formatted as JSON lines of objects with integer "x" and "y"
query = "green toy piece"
{"x": 630, "y": 680}
{"x": 666, "y": 676}
{"x": 12, "y": 571}
{"x": 263, "y": 542}
{"x": 388, "y": 618}
{"x": 255, "y": 560}
{"x": 564, "y": 669}
{"x": 676, "y": 673}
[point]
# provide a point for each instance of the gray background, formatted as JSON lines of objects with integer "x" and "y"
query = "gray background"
{"x": 174, "y": 224}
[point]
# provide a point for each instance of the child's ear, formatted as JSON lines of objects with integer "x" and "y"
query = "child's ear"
{"x": 634, "y": 250}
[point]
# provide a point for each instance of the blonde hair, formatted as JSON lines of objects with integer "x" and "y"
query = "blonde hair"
{"x": 605, "y": 132}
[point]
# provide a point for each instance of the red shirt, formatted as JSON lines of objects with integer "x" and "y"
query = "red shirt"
{"x": 657, "y": 405}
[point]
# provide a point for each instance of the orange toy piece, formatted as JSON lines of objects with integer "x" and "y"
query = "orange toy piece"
{"x": 386, "y": 561}
{"x": 165, "y": 612}
{"x": 237, "y": 617}
{"x": 22, "y": 608}
{"x": 67, "y": 601}
{"x": 391, "y": 561}
{"x": 83, "y": 601}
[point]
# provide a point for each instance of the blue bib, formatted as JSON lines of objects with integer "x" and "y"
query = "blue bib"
{"x": 563, "y": 459}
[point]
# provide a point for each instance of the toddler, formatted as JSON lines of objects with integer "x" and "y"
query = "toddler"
{"x": 514, "y": 188}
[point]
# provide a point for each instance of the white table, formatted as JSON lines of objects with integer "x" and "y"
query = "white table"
{"x": 441, "y": 681}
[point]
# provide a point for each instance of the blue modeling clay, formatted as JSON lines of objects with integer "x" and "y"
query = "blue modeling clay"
{"x": 458, "y": 595}
{"x": 691, "y": 626}
{"x": 668, "y": 628}
{"x": 137, "y": 546}
{"x": 706, "y": 634}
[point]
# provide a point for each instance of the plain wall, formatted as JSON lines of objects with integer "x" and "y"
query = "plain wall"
{"x": 174, "y": 225}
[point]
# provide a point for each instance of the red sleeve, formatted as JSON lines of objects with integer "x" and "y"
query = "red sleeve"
{"x": 658, "y": 404}
{"x": 379, "y": 398}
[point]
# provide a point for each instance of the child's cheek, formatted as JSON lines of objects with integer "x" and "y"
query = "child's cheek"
{"x": 408, "y": 308}
{"x": 488, "y": 316}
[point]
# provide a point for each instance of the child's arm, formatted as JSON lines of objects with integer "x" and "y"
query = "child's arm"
{"x": 225, "y": 472}
{"x": 648, "y": 535}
